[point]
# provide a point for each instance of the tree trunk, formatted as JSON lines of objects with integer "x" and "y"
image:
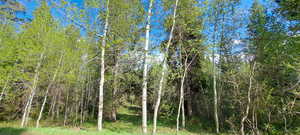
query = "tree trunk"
{"x": 214, "y": 81}
{"x": 114, "y": 92}
{"x": 183, "y": 111}
{"x": 4, "y": 89}
{"x": 100, "y": 107}
{"x": 58, "y": 105}
{"x": 189, "y": 101}
{"x": 88, "y": 102}
{"x": 249, "y": 101}
{"x": 215, "y": 95}
{"x": 164, "y": 70}
{"x": 33, "y": 90}
{"x": 145, "y": 71}
{"x": 47, "y": 91}
{"x": 82, "y": 103}
{"x": 181, "y": 102}
{"x": 66, "y": 108}
{"x": 53, "y": 106}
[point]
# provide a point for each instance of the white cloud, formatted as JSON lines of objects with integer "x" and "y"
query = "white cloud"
{"x": 236, "y": 41}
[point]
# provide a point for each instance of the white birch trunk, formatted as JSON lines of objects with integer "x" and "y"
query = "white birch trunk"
{"x": 47, "y": 91}
{"x": 164, "y": 70}
{"x": 145, "y": 71}
{"x": 249, "y": 100}
{"x": 180, "y": 107}
{"x": 215, "y": 94}
{"x": 66, "y": 108}
{"x": 100, "y": 107}
{"x": 4, "y": 89}
{"x": 33, "y": 90}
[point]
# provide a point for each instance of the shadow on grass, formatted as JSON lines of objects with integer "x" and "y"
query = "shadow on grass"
{"x": 130, "y": 121}
{"x": 130, "y": 118}
{"x": 12, "y": 131}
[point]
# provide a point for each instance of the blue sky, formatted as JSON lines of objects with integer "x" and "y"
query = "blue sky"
{"x": 157, "y": 32}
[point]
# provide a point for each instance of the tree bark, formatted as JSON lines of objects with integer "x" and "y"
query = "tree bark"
{"x": 216, "y": 117}
{"x": 47, "y": 91}
{"x": 66, "y": 108}
{"x": 215, "y": 95}
{"x": 249, "y": 101}
{"x": 183, "y": 111}
{"x": 180, "y": 107}
{"x": 58, "y": 105}
{"x": 54, "y": 105}
{"x": 164, "y": 70}
{"x": 33, "y": 90}
{"x": 4, "y": 89}
{"x": 114, "y": 92}
{"x": 189, "y": 101}
{"x": 145, "y": 71}
{"x": 82, "y": 102}
{"x": 100, "y": 107}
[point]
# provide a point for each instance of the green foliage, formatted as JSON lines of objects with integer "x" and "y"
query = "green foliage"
{"x": 71, "y": 49}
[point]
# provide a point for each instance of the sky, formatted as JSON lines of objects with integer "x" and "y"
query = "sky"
{"x": 158, "y": 32}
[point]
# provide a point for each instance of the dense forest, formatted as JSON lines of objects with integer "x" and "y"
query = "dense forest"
{"x": 150, "y": 66}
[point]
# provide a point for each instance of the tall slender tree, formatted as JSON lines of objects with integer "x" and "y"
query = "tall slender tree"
{"x": 102, "y": 70}
{"x": 145, "y": 69}
{"x": 164, "y": 69}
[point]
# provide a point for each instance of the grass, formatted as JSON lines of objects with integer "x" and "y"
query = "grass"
{"x": 128, "y": 124}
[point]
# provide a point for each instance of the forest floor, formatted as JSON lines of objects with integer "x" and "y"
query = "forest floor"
{"x": 127, "y": 124}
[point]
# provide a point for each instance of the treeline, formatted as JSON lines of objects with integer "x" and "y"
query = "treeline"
{"x": 219, "y": 66}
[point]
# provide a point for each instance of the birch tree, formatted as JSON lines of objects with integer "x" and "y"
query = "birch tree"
{"x": 145, "y": 69}
{"x": 214, "y": 38}
{"x": 27, "y": 108}
{"x": 47, "y": 91}
{"x": 4, "y": 88}
{"x": 215, "y": 92}
{"x": 164, "y": 69}
{"x": 38, "y": 34}
{"x": 102, "y": 70}
{"x": 186, "y": 47}
{"x": 185, "y": 65}
{"x": 244, "y": 118}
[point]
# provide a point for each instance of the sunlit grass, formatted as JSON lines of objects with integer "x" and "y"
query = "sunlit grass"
{"x": 128, "y": 123}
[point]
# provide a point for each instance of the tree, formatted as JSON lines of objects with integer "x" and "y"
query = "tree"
{"x": 145, "y": 69}
{"x": 47, "y": 90}
{"x": 164, "y": 69}
{"x": 9, "y": 9}
{"x": 186, "y": 48}
{"x": 100, "y": 110}
{"x": 43, "y": 21}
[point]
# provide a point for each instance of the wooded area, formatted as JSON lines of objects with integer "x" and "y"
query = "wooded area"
{"x": 150, "y": 66}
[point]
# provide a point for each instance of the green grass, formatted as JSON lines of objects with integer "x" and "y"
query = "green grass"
{"x": 64, "y": 131}
{"x": 129, "y": 123}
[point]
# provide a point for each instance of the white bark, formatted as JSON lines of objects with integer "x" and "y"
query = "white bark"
{"x": 182, "y": 109}
{"x": 47, "y": 91}
{"x": 145, "y": 71}
{"x": 4, "y": 89}
{"x": 181, "y": 100}
{"x": 164, "y": 70}
{"x": 215, "y": 95}
{"x": 181, "y": 106}
{"x": 249, "y": 100}
{"x": 66, "y": 109}
{"x": 100, "y": 107}
{"x": 33, "y": 90}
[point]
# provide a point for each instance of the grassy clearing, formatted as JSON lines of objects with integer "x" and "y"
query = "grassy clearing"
{"x": 64, "y": 131}
{"x": 128, "y": 124}
{"x": 116, "y": 128}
